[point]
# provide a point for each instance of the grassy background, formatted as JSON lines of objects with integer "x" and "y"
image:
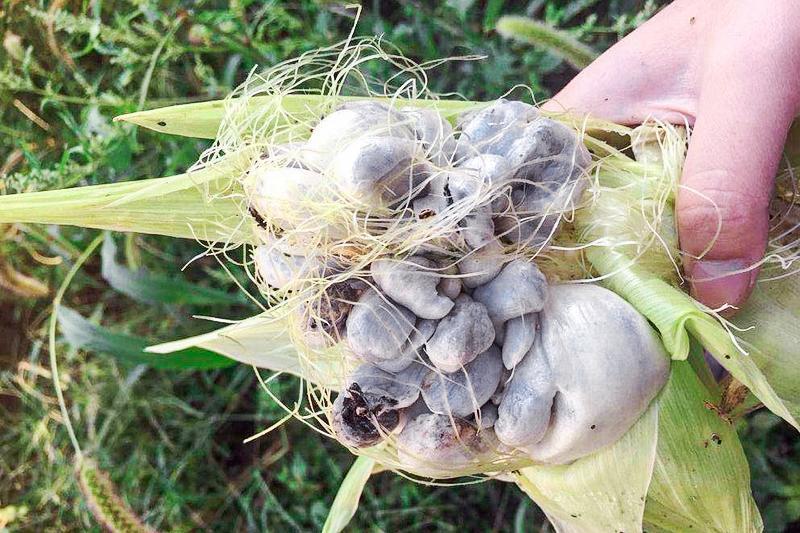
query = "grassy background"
{"x": 171, "y": 440}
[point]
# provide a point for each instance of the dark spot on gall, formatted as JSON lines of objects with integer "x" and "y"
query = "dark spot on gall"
{"x": 361, "y": 411}
{"x": 162, "y": 123}
{"x": 716, "y": 439}
{"x": 257, "y": 217}
{"x": 593, "y": 426}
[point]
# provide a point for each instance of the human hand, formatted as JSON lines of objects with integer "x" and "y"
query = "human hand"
{"x": 731, "y": 69}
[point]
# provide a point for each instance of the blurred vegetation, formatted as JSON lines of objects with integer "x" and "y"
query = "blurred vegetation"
{"x": 170, "y": 440}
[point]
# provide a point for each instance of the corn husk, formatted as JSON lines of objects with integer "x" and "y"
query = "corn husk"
{"x": 203, "y": 119}
{"x": 605, "y": 491}
{"x": 203, "y": 205}
{"x": 346, "y": 503}
{"x": 769, "y": 330}
{"x": 263, "y": 341}
{"x": 701, "y": 480}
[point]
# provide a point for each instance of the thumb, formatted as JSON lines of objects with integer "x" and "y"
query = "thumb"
{"x": 748, "y": 98}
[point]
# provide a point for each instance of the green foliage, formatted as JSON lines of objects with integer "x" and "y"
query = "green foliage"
{"x": 171, "y": 441}
{"x": 81, "y": 333}
{"x": 555, "y": 41}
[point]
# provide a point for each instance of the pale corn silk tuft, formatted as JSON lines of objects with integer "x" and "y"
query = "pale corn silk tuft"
{"x": 418, "y": 252}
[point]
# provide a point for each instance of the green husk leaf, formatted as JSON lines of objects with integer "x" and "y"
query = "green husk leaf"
{"x": 555, "y": 41}
{"x": 345, "y": 504}
{"x": 639, "y": 273}
{"x": 771, "y": 321}
{"x": 202, "y": 205}
{"x": 147, "y": 287}
{"x": 259, "y": 341}
{"x": 701, "y": 480}
{"x": 81, "y": 333}
{"x": 262, "y": 341}
{"x": 602, "y": 492}
{"x": 202, "y": 120}
{"x": 676, "y": 315}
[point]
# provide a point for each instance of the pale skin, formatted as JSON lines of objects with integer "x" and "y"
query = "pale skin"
{"x": 731, "y": 70}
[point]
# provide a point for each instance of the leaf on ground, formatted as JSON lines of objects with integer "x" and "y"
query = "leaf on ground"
{"x": 81, "y": 333}
{"x": 147, "y": 287}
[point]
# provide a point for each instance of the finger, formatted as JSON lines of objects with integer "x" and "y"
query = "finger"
{"x": 749, "y": 95}
{"x": 651, "y": 73}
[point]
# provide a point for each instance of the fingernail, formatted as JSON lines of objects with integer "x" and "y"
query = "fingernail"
{"x": 716, "y": 283}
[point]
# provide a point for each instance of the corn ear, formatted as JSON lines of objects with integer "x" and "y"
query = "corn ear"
{"x": 602, "y": 492}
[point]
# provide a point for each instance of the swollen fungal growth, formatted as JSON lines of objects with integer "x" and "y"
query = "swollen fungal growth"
{"x": 461, "y": 336}
{"x": 464, "y": 391}
{"x": 494, "y": 129}
{"x": 378, "y": 330}
{"x": 593, "y": 370}
{"x": 349, "y": 123}
{"x": 520, "y": 288}
{"x": 360, "y": 418}
{"x": 436, "y": 445}
{"x": 411, "y": 249}
{"x": 378, "y": 171}
{"x": 520, "y": 332}
{"x": 412, "y": 283}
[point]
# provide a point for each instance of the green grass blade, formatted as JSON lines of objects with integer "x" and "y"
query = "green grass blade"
{"x": 701, "y": 480}
{"x": 555, "y": 41}
{"x": 345, "y": 504}
{"x": 146, "y": 287}
{"x": 602, "y": 492}
{"x": 202, "y": 120}
{"x": 81, "y": 333}
{"x": 200, "y": 205}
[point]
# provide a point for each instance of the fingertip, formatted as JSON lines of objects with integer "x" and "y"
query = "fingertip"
{"x": 722, "y": 284}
